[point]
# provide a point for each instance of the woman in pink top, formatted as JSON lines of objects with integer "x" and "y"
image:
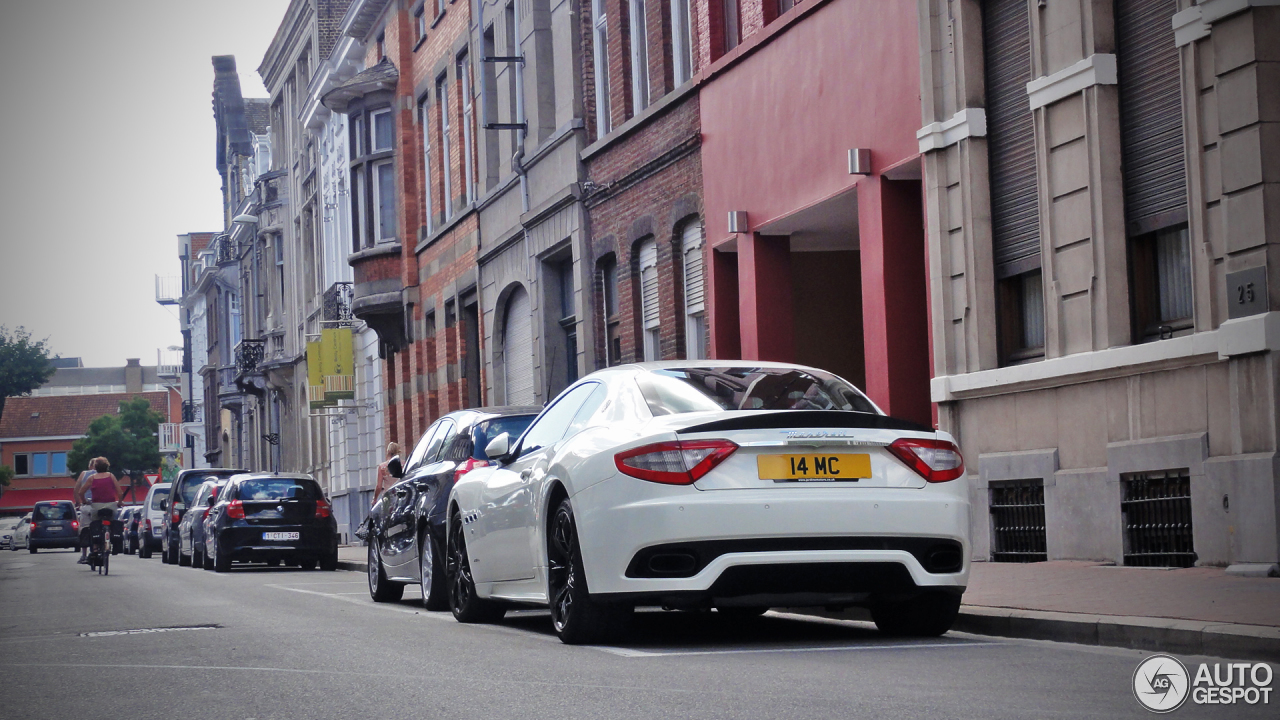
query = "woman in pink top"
{"x": 106, "y": 490}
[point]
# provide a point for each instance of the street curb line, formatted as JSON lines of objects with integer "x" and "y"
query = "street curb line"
{"x": 1188, "y": 637}
{"x": 354, "y": 566}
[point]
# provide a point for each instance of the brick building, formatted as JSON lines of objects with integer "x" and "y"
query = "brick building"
{"x": 38, "y": 430}
{"x": 1103, "y": 198}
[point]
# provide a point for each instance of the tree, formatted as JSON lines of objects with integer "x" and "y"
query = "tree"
{"x": 6, "y": 474}
{"x": 24, "y": 365}
{"x": 130, "y": 441}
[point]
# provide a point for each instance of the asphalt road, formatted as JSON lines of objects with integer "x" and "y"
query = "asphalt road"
{"x": 283, "y": 643}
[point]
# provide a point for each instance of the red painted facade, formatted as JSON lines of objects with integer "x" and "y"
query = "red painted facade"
{"x": 780, "y": 113}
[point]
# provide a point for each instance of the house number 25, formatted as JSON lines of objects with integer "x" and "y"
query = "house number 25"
{"x": 1245, "y": 293}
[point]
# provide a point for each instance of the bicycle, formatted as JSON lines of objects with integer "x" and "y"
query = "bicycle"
{"x": 100, "y": 542}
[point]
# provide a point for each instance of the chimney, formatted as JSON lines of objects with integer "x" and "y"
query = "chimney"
{"x": 133, "y": 375}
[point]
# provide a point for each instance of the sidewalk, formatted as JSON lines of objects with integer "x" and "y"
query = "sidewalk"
{"x": 1192, "y": 611}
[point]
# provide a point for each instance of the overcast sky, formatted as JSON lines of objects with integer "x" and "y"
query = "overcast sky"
{"x": 106, "y": 155}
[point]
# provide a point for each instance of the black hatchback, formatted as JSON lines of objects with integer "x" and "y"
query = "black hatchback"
{"x": 270, "y": 518}
{"x": 181, "y": 495}
{"x": 54, "y": 525}
{"x": 406, "y": 526}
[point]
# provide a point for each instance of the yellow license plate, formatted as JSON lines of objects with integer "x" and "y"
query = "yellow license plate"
{"x": 813, "y": 467}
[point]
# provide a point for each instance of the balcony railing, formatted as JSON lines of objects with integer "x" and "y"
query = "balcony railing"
{"x": 337, "y": 305}
{"x": 168, "y": 290}
{"x": 170, "y": 436}
{"x": 226, "y": 252}
{"x": 249, "y": 353}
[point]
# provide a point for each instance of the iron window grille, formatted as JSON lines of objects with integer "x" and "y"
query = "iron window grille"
{"x": 1156, "y": 513}
{"x": 1017, "y": 522}
{"x": 337, "y": 304}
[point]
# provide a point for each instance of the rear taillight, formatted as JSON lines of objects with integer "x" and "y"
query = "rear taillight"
{"x": 934, "y": 460}
{"x": 468, "y": 466}
{"x": 147, "y": 524}
{"x": 75, "y": 524}
{"x": 235, "y": 510}
{"x": 175, "y": 518}
{"x": 679, "y": 462}
{"x": 323, "y": 508}
{"x": 204, "y": 514}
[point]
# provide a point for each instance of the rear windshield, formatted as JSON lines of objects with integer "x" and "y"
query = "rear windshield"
{"x": 278, "y": 489}
{"x": 158, "y": 497}
{"x": 514, "y": 426}
{"x": 55, "y": 512}
{"x": 682, "y": 390}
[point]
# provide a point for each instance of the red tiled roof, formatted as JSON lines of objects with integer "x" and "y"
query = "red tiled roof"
{"x": 25, "y": 500}
{"x": 60, "y": 415}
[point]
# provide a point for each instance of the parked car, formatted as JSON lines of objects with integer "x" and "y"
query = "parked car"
{"x": 127, "y": 517}
{"x": 21, "y": 533}
{"x": 7, "y": 526}
{"x": 54, "y": 525}
{"x": 180, "y": 498}
{"x": 260, "y": 517}
{"x": 734, "y": 485}
{"x": 406, "y": 533}
{"x": 191, "y": 529}
{"x": 151, "y": 520}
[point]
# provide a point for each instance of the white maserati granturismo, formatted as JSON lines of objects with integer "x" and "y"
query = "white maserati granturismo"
{"x": 734, "y": 485}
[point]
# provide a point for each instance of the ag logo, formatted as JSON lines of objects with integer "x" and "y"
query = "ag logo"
{"x": 1161, "y": 683}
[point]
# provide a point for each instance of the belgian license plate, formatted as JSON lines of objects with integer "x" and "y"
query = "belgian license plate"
{"x": 279, "y": 536}
{"x": 53, "y": 528}
{"x": 814, "y": 467}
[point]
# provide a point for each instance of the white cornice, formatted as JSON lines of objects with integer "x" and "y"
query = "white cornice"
{"x": 1189, "y": 26}
{"x": 1097, "y": 69}
{"x": 969, "y": 122}
{"x": 1253, "y": 334}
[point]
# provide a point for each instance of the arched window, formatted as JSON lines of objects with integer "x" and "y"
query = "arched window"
{"x": 695, "y": 312}
{"x": 517, "y": 349}
{"x": 649, "y": 318}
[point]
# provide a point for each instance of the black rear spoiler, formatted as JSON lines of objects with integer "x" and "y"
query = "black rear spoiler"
{"x": 765, "y": 420}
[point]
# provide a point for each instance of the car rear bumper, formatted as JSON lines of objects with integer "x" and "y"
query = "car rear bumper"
{"x": 658, "y": 544}
{"x": 54, "y": 542}
{"x": 246, "y": 544}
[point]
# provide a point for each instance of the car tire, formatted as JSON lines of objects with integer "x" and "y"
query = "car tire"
{"x": 928, "y": 614}
{"x": 221, "y": 562}
{"x": 577, "y": 618}
{"x": 183, "y": 560}
{"x": 207, "y": 562}
{"x": 467, "y": 607}
{"x": 329, "y": 561}
{"x": 435, "y": 594}
{"x": 197, "y": 559}
{"x": 144, "y": 550}
{"x": 380, "y": 588}
{"x": 31, "y": 549}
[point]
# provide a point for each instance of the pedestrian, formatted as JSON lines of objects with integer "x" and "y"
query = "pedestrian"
{"x": 83, "y": 510}
{"x": 388, "y": 470}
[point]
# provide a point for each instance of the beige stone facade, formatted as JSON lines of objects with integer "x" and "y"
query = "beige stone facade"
{"x": 1102, "y": 403}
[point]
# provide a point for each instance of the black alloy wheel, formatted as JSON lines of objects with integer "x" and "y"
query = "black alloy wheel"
{"x": 435, "y": 594}
{"x": 467, "y": 607}
{"x": 578, "y": 619}
{"x": 380, "y": 588}
{"x": 928, "y": 614}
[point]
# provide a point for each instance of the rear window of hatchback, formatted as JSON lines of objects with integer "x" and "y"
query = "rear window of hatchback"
{"x": 266, "y": 489}
{"x": 53, "y": 511}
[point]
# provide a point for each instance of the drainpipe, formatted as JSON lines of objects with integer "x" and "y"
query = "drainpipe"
{"x": 520, "y": 119}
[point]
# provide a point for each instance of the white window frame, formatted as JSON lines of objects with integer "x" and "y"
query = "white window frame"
{"x": 377, "y": 199}
{"x": 639, "y": 57}
{"x": 468, "y": 119}
{"x": 442, "y": 97}
{"x": 681, "y": 42}
{"x": 373, "y": 130}
{"x": 650, "y": 303}
{"x": 420, "y": 20}
{"x": 359, "y": 184}
{"x": 695, "y": 308}
{"x": 604, "y": 123}
{"x": 15, "y": 464}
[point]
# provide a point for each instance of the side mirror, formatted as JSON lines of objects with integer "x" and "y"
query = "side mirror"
{"x": 498, "y": 447}
{"x": 164, "y": 504}
{"x": 210, "y": 500}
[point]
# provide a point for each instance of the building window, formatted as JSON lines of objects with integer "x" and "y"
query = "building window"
{"x": 21, "y": 464}
{"x": 40, "y": 464}
{"x": 420, "y": 22}
{"x": 384, "y": 198}
{"x": 639, "y": 58}
{"x": 358, "y": 209}
{"x": 442, "y": 97}
{"x": 568, "y": 321}
{"x": 785, "y": 5}
{"x": 613, "y": 338}
{"x": 601, "y": 68}
{"x": 381, "y": 122}
{"x": 425, "y": 120}
{"x": 58, "y": 463}
{"x": 695, "y": 311}
{"x": 1160, "y": 283}
{"x": 681, "y": 43}
{"x": 649, "y": 299}
{"x": 468, "y": 122}
{"x": 732, "y": 24}
{"x": 440, "y": 7}
{"x": 382, "y": 46}
{"x": 1021, "y": 319}
{"x": 278, "y": 241}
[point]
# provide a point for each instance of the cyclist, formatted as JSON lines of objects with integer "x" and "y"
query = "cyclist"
{"x": 82, "y": 486}
{"x": 106, "y": 491}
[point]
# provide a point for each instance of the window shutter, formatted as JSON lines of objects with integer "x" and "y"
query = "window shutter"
{"x": 1015, "y": 215}
{"x": 691, "y": 247}
{"x": 517, "y": 349}
{"x": 1155, "y": 178}
{"x": 649, "y": 283}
